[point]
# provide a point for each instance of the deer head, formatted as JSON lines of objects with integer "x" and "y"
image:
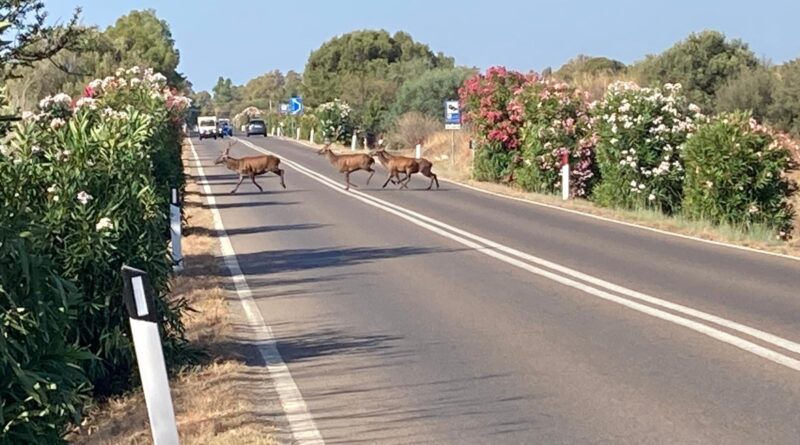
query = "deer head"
{"x": 225, "y": 154}
{"x": 325, "y": 149}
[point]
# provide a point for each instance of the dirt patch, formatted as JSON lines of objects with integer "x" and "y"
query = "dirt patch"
{"x": 223, "y": 401}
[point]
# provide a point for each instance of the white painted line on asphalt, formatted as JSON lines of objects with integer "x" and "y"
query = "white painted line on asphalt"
{"x": 493, "y": 249}
{"x": 601, "y": 218}
{"x": 302, "y": 425}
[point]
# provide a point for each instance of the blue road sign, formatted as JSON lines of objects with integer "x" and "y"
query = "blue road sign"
{"x": 296, "y": 105}
{"x": 452, "y": 115}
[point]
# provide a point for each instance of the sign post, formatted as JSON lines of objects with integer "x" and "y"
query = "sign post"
{"x": 149, "y": 355}
{"x": 175, "y": 231}
{"x": 564, "y": 175}
{"x": 452, "y": 121}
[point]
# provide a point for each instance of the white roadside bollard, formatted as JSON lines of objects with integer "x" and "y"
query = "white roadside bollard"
{"x": 311, "y": 136}
{"x": 418, "y": 153}
{"x": 353, "y": 143}
{"x": 365, "y": 143}
{"x": 298, "y": 134}
{"x": 149, "y": 356}
{"x": 175, "y": 231}
{"x": 564, "y": 176}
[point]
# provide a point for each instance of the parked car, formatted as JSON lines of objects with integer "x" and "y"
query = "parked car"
{"x": 207, "y": 127}
{"x": 257, "y": 126}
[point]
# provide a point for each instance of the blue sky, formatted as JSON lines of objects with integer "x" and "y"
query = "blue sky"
{"x": 242, "y": 39}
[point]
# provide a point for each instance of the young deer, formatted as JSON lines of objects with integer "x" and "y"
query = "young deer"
{"x": 349, "y": 163}
{"x": 409, "y": 166}
{"x": 250, "y": 166}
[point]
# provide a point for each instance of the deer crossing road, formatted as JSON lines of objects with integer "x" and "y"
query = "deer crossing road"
{"x": 454, "y": 316}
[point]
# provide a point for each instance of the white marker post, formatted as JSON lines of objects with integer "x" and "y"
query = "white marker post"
{"x": 298, "y": 134}
{"x": 311, "y": 136}
{"x": 149, "y": 356}
{"x": 564, "y": 175}
{"x": 419, "y": 151}
{"x": 175, "y": 231}
{"x": 353, "y": 143}
{"x": 365, "y": 143}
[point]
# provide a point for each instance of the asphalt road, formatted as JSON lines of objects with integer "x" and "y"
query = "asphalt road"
{"x": 402, "y": 329}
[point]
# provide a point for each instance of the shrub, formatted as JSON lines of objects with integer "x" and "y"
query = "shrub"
{"x": 412, "y": 128}
{"x": 751, "y": 90}
{"x": 642, "y": 132}
{"x": 485, "y": 99}
{"x": 96, "y": 179}
{"x": 556, "y": 120}
{"x": 335, "y": 121}
{"x": 736, "y": 174}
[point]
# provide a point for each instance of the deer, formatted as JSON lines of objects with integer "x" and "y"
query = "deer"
{"x": 349, "y": 163}
{"x": 403, "y": 164}
{"x": 250, "y": 166}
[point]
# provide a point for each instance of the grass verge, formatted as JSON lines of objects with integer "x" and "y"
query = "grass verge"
{"x": 217, "y": 402}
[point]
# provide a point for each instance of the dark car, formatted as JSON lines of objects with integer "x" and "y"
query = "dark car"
{"x": 257, "y": 126}
{"x": 225, "y": 130}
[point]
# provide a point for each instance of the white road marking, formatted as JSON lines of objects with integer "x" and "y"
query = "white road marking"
{"x": 598, "y": 217}
{"x": 493, "y": 249}
{"x": 302, "y": 425}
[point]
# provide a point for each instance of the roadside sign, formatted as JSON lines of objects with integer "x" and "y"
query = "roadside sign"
{"x": 452, "y": 115}
{"x": 284, "y": 108}
{"x": 296, "y": 105}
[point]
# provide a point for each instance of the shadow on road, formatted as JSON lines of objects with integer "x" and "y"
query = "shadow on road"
{"x": 253, "y": 230}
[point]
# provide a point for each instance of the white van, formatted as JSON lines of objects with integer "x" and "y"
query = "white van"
{"x": 207, "y": 126}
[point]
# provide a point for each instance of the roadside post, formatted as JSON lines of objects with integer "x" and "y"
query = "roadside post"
{"x": 298, "y": 134}
{"x": 452, "y": 122}
{"x": 353, "y": 143}
{"x": 564, "y": 175}
{"x": 138, "y": 299}
{"x": 418, "y": 151}
{"x": 311, "y": 136}
{"x": 175, "y": 231}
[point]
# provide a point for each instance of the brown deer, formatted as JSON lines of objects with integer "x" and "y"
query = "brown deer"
{"x": 250, "y": 166}
{"x": 349, "y": 163}
{"x": 403, "y": 164}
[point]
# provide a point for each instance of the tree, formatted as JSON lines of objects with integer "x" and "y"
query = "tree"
{"x": 587, "y": 66}
{"x": 426, "y": 94}
{"x": 701, "y": 64}
{"x": 785, "y": 110}
{"x": 750, "y": 90}
{"x": 366, "y": 68}
{"x": 25, "y": 38}
{"x": 141, "y": 38}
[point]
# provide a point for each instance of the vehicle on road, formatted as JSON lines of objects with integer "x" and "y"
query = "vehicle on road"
{"x": 257, "y": 126}
{"x": 225, "y": 127}
{"x": 207, "y": 127}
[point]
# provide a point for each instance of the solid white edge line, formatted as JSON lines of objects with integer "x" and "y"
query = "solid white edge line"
{"x": 487, "y": 249}
{"x": 301, "y": 423}
{"x": 598, "y": 217}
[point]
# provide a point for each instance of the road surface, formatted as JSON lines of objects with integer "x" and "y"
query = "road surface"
{"x": 454, "y": 316}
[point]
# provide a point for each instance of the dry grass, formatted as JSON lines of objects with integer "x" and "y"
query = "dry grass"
{"x": 215, "y": 403}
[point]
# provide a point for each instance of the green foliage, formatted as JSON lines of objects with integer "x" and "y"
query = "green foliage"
{"x": 750, "y": 90}
{"x": 735, "y": 174}
{"x": 556, "y": 121}
{"x": 335, "y": 121}
{"x": 701, "y": 64}
{"x": 140, "y": 38}
{"x": 642, "y": 132}
{"x": 427, "y": 93}
{"x": 785, "y": 110}
{"x": 365, "y": 69}
{"x": 492, "y": 162}
{"x": 584, "y": 66}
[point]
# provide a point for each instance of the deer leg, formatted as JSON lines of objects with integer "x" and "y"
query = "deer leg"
{"x": 404, "y": 183}
{"x": 241, "y": 178}
{"x": 347, "y": 180}
{"x": 253, "y": 178}
{"x": 436, "y": 179}
{"x": 279, "y": 172}
{"x": 387, "y": 181}
{"x": 371, "y": 172}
